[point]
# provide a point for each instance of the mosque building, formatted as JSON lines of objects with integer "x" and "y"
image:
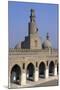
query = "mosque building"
{"x": 32, "y": 59}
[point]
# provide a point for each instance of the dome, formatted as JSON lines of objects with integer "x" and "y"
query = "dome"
{"x": 18, "y": 45}
{"x": 47, "y": 42}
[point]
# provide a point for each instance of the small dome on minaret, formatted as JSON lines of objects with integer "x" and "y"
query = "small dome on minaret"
{"x": 47, "y": 42}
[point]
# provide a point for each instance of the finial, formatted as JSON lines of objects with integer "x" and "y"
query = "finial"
{"x": 32, "y": 12}
{"x": 47, "y": 36}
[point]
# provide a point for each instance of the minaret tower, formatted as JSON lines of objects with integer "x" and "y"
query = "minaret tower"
{"x": 32, "y": 23}
{"x": 35, "y": 41}
{"x": 32, "y": 41}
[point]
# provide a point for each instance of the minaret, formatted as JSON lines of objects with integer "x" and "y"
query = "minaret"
{"x": 32, "y": 24}
{"x": 34, "y": 39}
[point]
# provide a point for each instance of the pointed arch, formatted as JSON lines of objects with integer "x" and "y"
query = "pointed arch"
{"x": 16, "y": 74}
{"x": 42, "y": 70}
{"x": 30, "y": 71}
{"x": 51, "y": 68}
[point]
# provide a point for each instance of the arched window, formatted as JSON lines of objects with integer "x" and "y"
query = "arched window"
{"x": 23, "y": 65}
{"x": 47, "y": 63}
{"x": 36, "y": 64}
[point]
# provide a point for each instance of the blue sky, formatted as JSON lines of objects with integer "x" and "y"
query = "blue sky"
{"x": 18, "y": 18}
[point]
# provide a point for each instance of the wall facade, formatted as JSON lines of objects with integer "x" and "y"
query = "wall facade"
{"x": 34, "y": 57}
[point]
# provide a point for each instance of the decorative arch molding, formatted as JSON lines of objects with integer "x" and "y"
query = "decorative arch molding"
{"x": 52, "y": 61}
{"x": 42, "y": 62}
{"x": 34, "y": 63}
{"x": 13, "y": 64}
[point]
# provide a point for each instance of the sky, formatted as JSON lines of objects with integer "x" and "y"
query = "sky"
{"x": 18, "y": 18}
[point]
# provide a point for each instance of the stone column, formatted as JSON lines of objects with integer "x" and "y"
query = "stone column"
{"x": 23, "y": 78}
{"x": 46, "y": 72}
{"x": 55, "y": 70}
{"x": 9, "y": 81}
{"x": 36, "y": 75}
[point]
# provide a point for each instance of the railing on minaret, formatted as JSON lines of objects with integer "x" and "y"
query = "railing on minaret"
{"x": 32, "y": 16}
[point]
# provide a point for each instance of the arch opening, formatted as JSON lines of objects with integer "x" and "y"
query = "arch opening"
{"x": 51, "y": 68}
{"x": 42, "y": 70}
{"x": 30, "y": 72}
{"x": 16, "y": 74}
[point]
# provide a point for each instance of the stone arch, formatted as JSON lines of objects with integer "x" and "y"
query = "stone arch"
{"x": 30, "y": 71}
{"x": 42, "y": 70}
{"x": 16, "y": 74}
{"x": 51, "y": 68}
